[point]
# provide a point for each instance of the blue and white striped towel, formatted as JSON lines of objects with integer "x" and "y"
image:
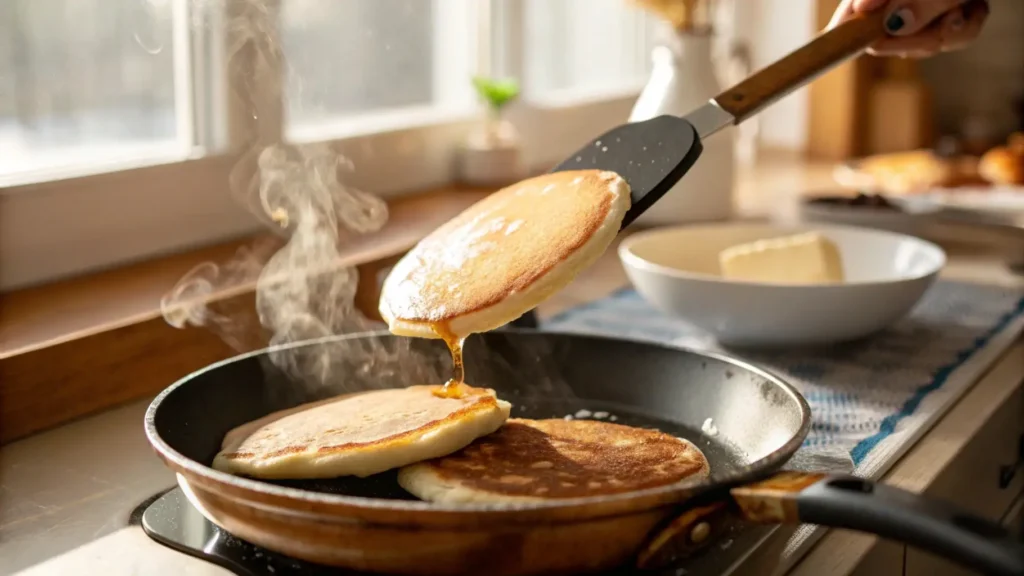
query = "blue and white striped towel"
{"x": 866, "y": 397}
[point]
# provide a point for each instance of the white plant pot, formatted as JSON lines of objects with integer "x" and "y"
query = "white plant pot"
{"x": 492, "y": 156}
{"x": 683, "y": 79}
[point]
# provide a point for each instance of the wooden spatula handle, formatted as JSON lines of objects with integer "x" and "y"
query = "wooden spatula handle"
{"x": 800, "y": 67}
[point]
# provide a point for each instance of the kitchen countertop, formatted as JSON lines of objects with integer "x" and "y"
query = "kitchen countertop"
{"x": 65, "y": 494}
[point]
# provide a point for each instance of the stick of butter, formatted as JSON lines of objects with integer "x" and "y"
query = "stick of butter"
{"x": 808, "y": 258}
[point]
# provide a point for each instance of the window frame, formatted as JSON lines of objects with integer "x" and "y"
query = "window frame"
{"x": 63, "y": 227}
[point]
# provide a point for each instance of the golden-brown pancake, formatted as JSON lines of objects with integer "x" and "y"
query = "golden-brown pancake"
{"x": 537, "y": 460}
{"x": 361, "y": 434}
{"x": 505, "y": 254}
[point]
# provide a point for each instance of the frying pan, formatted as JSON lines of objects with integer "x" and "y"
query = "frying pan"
{"x": 371, "y": 524}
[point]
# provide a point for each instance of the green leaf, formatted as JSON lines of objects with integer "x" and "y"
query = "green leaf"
{"x": 497, "y": 93}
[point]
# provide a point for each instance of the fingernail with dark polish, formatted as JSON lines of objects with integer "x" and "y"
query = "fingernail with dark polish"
{"x": 972, "y": 6}
{"x": 898, "y": 20}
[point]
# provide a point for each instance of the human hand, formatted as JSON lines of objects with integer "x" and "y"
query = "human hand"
{"x": 920, "y": 28}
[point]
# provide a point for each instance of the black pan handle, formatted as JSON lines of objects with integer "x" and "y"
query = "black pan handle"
{"x": 857, "y": 504}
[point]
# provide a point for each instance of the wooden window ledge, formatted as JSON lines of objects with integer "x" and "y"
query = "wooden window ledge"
{"x": 83, "y": 345}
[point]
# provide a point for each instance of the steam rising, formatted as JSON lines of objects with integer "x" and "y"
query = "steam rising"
{"x": 304, "y": 285}
{"x": 306, "y": 289}
{"x": 189, "y": 302}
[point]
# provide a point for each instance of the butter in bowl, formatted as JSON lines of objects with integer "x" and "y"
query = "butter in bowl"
{"x": 770, "y": 286}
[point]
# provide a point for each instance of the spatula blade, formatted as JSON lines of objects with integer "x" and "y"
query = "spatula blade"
{"x": 651, "y": 155}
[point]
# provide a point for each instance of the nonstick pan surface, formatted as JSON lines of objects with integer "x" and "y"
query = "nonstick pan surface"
{"x": 760, "y": 420}
{"x": 371, "y": 524}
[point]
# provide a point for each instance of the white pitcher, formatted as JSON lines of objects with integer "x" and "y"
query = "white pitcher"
{"x": 683, "y": 78}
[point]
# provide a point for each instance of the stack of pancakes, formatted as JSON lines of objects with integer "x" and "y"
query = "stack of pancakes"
{"x": 457, "y": 450}
{"x": 485, "y": 268}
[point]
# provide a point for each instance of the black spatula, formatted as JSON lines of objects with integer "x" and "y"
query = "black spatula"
{"x": 655, "y": 154}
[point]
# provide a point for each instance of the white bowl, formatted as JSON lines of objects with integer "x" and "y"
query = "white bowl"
{"x": 676, "y": 269}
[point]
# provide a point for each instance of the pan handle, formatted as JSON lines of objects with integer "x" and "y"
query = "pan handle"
{"x": 858, "y": 504}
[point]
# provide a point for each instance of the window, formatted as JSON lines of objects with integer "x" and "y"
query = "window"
{"x": 355, "y": 62}
{"x": 121, "y": 120}
{"x": 580, "y": 45}
{"x": 85, "y": 83}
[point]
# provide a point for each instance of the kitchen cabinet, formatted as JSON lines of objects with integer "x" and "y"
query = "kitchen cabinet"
{"x": 985, "y": 478}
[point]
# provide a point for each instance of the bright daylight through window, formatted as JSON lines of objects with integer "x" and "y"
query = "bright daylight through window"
{"x": 585, "y": 45}
{"x": 86, "y": 82}
{"x": 130, "y": 114}
{"x": 379, "y": 57}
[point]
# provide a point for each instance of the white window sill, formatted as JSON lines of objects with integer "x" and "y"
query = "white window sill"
{"x": 365, "y": 125}
{"x": 573, "y": 97}
{"x": 53, "y": 166}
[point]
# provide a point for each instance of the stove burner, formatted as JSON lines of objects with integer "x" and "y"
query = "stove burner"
{"x": 170, "y": 519}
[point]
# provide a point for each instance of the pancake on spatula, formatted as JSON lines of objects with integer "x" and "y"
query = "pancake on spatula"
{"x": 361, "y": 434}
{"x": 538, "y": 460}
{"x": 504, "y": 255}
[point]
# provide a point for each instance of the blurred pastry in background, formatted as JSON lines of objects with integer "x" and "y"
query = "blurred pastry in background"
{"x": 913, "y": 172}
{"x": 947, "y": 168}
{"x": 1005, "y": 164}
{"x": 1016, "y": 142}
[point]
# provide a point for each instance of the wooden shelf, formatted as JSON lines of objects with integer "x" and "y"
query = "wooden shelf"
{"x": 82, "y": 345}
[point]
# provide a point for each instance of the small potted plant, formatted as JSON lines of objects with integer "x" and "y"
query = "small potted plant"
{"x": 492, "y": 154}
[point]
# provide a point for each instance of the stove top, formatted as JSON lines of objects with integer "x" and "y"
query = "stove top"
{"x": 170, "y": 519}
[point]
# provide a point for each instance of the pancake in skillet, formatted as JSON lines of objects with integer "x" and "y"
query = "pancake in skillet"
{"x": 538, "y": 460}
{"x": 504, "y": 255}
{"x": 360, "y": 434}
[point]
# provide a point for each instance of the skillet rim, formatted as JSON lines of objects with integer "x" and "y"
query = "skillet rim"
{"x": 673, "y": 492}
